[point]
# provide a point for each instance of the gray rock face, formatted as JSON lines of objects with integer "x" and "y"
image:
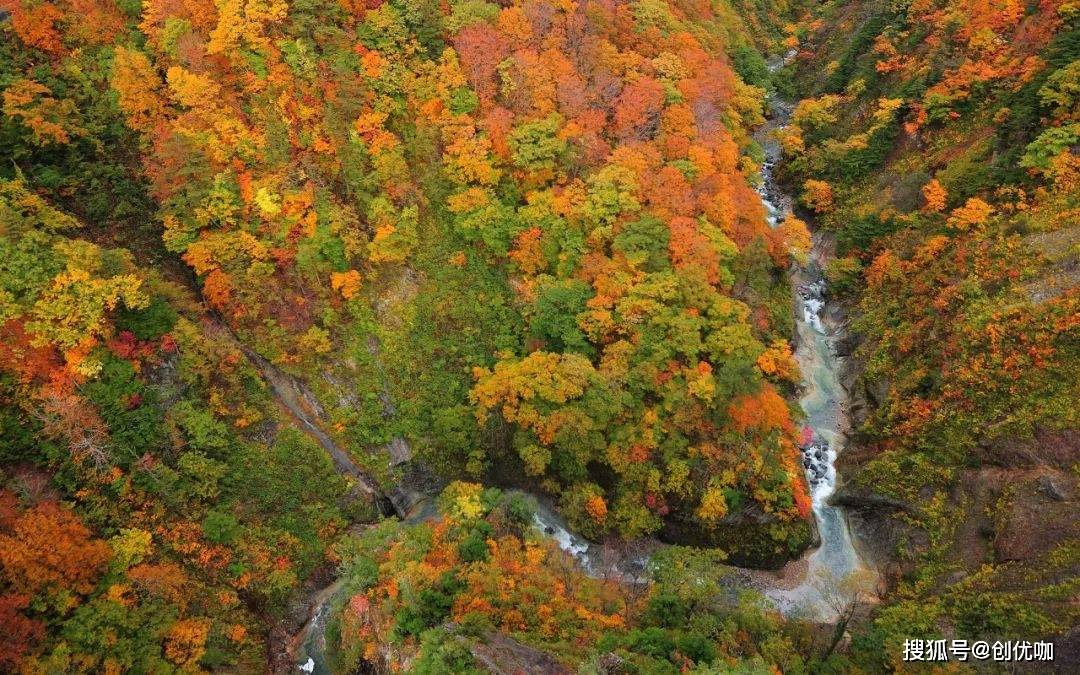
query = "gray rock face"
{"x": 877, "y": 391}
{"x": 1055, "y": 448}
{"x": 1067, "y": 652}
{"x": 399, "y": 451}
{"x": 845, "y": 346}
{"x": 1032, "y": 529}
{"x": 878, "y": 531}
{"x": 1047, "y": 486}
{"x": 501, "y": 655}
{"x": 868, "y": 501}
{"x": 1041, "y": 515}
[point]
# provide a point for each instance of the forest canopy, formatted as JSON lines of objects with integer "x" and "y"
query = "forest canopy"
{"x": 302, "y": 295}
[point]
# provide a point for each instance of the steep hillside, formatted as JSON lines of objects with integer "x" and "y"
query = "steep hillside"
{"x": 939, "y": 141}
{"x": 485, "y": 212}
{"x": 306, "y": 308}
{"x": 479, "y": 589}
{"x": 259, "y": 254}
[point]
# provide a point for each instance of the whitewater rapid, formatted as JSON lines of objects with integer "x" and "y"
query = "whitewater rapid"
{"x": 833, "y": 573}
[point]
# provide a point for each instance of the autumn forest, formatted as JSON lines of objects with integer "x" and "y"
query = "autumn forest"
{"x": 537, "y": 336}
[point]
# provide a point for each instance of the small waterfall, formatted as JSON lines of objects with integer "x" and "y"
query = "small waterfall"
{"x": 552, "y": 526}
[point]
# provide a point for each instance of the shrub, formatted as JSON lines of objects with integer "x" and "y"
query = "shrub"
{"x": 220, "y": 527}
{"x": 696, "y": 647}
{"x": 431, "y": 607}
{"x": 521, "y": 509}
{"x": 653, "y": 642}
{"x": 150, "y": 323}
{"x": 667, "y": 609}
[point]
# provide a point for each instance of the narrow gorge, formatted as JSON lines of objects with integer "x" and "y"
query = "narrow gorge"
{"x": 606, "y": 337}
{"x": 832, "y": 574}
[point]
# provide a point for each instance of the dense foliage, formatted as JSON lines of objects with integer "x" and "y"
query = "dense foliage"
{"x": 445, "y": 595}
{"x": 199, "y": 524}
{"x": 521, "y": 240}
{"x": 939, "y": 143}
{"x": 571, "y": 178}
